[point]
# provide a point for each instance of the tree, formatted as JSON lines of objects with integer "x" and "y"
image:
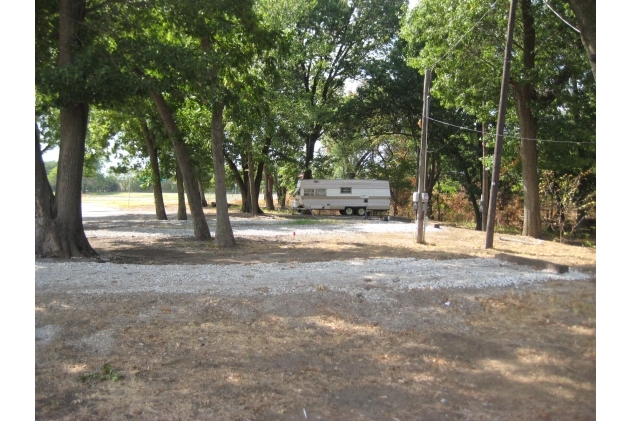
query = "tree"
{"x": 78, "y": 64}
{"x": 585, "y": 12}
{"x": 331, "y": 41}
{"x": 200, "y": 226}
{"x": 65, "y": 237}
{"x": 462, "y": 42}
{"x": 135, "y": 131}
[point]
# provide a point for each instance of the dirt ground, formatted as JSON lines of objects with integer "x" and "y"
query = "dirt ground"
{"x": 526, "y": 353}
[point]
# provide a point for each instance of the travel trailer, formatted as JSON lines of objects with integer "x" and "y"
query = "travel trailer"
{"x": 349, "y": 197}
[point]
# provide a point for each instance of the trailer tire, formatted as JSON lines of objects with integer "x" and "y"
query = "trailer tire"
{"x": 348, "y": 211}
{"x": 361, "y": 211}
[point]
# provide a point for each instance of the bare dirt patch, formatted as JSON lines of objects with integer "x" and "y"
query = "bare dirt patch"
{"x": 518, "y": 353}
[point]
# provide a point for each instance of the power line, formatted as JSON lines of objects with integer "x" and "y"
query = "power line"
{"x": 462, "y": 37}
{"x": 510, "y": 136}
{"x": 561, "y": 17}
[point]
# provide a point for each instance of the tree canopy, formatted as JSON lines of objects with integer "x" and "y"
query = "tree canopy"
{"x": 259, "y": 93}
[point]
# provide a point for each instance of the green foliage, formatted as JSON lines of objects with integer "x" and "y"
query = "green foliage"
{"x": 463, "y": 43}
{"x": 100, "y": 183}
{"x": 280, "y": 69}
{"x": 52, "y": 176}
{"x": 50, "y": 166}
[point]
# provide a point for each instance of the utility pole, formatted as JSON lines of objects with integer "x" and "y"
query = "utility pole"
{"x": 484, "y": 202}
{"x": 490, "y": 226}
{"x": 422, "y": 163}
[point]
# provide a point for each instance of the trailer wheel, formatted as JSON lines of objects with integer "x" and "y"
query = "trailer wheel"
{"x": 348, "y": 211}
{"x": 361, "y": 211}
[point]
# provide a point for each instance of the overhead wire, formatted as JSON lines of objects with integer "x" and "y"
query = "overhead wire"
{"x": 452, "y": 47}
{"x": 511, "y": 136}
{"x": 462, "y": 37}
{"x": 561, "y": 17}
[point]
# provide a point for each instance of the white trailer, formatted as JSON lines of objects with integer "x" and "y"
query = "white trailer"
{"x": 350, "y": 197}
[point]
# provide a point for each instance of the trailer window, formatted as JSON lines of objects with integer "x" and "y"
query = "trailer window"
{"x": 346, "y": 190}
{"x": 315, "y": 192}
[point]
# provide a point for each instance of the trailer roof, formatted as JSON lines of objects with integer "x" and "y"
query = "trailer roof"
{"x": 338, "y": 182}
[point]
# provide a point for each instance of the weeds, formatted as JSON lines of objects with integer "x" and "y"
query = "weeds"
{"x": 106, "y": 373}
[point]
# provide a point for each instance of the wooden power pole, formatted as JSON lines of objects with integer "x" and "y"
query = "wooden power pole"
{"x": 490, "y": 225}
{"x": 422, "y": 162}
{"x": 484, "y": 202}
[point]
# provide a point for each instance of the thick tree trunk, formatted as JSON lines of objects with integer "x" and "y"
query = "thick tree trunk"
{"x": 73, "y": 129}
{"x": 585, "y": 12}
{"x": 525, "y": 96}
{"x": 70, "y": 236}
{"x": 181, "y": 199}
{"x": 155, "y": 172}
{"x": 269, "y": 188}
{"x": 528, "y": 154}
{"x": 224, "y": 234}
{"x": 200, "y": 226}
{"x": 46, "y": 235}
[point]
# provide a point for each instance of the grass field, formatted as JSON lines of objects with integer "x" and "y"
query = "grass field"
{"x": 123, "y": 200}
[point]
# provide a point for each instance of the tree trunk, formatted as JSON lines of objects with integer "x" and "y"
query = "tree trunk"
{"x": 258, "y": 179}
{"x": 202, "y": 194}
{"x": 200, "y": 226}
{"x": 252, "y": 196}
{"x": 525, "y": 95}
{"x": 74, "y": 124}
{"x": 243, "y": 187}
{"x": 155, "y": 172}
{"x": 269, "y": 188}
{"x": 70, "y": 236}
{"x": 585, "y": 12}
{"x": 46, "y": 236}
{"x": 311, "y": 139}
{"x": 281, "y": 193}
{"x": 528, "y": 154}
{"x": 224, "y": 235}
{"x": 244, "y": 183}
{"x": 181, "y": 200}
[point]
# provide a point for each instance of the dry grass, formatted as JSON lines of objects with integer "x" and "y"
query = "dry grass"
{"x": 503, "y": 353}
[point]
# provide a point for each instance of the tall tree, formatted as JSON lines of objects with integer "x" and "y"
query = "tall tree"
{"x": 225, "y": 236}
{"x": 152, "y": 151}
{"x": 200, "y": 226}
{"x": 462, "y": 42}
{"x": 332, "y": 40}
{"x": 78, "y": 64}
{"x": 67, "y": 231}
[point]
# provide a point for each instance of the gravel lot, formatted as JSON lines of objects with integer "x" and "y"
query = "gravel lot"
{"x": 400, "y": 274}
{"x": 311, "y": 318}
